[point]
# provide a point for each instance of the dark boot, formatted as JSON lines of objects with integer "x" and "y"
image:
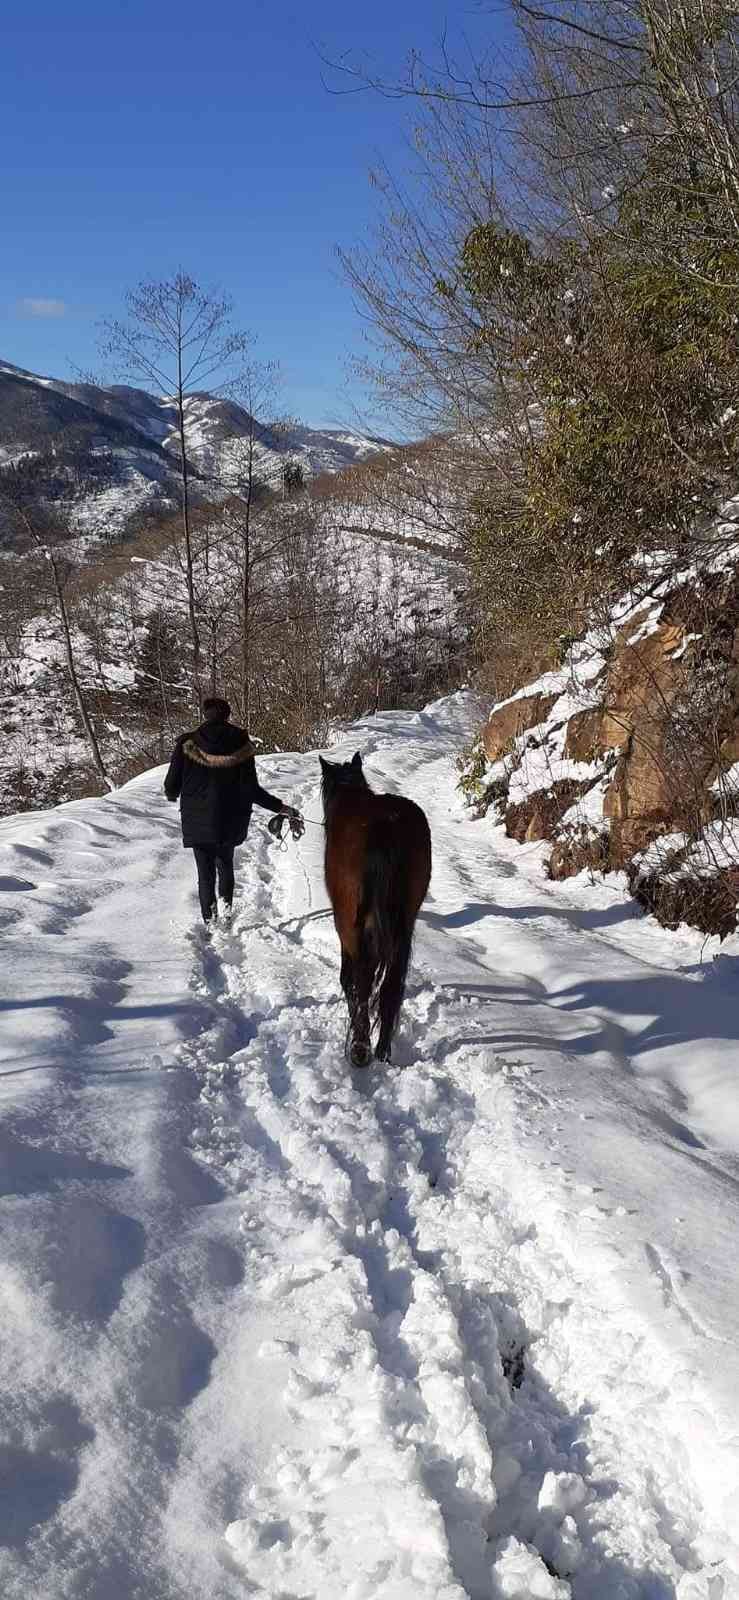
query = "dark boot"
{"x": 205, "y": 861}
{"x": 225, "y": 865}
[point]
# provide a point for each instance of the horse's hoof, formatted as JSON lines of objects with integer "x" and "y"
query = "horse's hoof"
{"x": 360, "y": 1054}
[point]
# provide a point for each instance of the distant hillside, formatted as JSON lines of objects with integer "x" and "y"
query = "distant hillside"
{"x": 107, "y": 455}
{"x": 359, "y": 601}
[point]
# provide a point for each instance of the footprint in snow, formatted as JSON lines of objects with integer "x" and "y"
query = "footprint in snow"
{"x": 39, "y": 1469}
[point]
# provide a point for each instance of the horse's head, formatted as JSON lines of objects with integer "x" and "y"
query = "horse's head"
{"x": 338, "y": 775}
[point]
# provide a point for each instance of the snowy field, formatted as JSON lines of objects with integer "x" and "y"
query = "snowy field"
{"x": 467, "y": 1326}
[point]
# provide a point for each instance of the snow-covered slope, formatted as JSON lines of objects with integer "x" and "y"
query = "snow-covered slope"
{"x": 132, "y": 434}
{"x": 217, "y": 430}
{"x": 462, "y": 1327}
{"x": 394, "y": 604}
{"x": 625, "y": 758}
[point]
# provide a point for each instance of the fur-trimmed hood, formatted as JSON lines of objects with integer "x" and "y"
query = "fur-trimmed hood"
{"x": 209, "y": 758}
{"x": 213, "y": 774}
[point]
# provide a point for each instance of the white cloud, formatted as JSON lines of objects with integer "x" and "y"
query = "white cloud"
{"x": 33, "y": 307}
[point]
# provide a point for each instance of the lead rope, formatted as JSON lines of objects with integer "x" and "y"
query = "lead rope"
{"x": 276, "y": 827}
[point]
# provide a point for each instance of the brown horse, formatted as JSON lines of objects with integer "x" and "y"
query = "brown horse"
{"x": 378, "y": 866}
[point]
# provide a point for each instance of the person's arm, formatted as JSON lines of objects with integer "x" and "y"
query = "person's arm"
{"x": 259, "y": 796}
{"x": 173, "y": 780}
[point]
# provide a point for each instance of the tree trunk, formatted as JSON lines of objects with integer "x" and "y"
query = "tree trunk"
{"x": 162, "y": 683}
{"x": 90, "y": 734}
{"x": 189, "y": 578}
{"x": 214, "y": 656}
{"x": 246, "y": 590}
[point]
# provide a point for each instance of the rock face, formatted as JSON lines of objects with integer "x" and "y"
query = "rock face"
{"x": 705, "y": 902}
{"x": 578, "y": 850}
{"x": 587, "y": 735}
{"x": 536, "y": 817}
{"x": 728, "y": 803}
{"x": 512, "y": 718}
{"x": 674, "y": 708}
{"x": 659, "y": 742}
{"x": 645, "y": 679}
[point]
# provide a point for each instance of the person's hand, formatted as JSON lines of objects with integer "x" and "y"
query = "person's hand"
{"x": 295, "y": 821}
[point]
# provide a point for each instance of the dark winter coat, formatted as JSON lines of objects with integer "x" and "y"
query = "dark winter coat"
{"x": 213, "y": 775}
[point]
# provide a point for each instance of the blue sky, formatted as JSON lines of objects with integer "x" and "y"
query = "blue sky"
{"x": 137, "y": 138}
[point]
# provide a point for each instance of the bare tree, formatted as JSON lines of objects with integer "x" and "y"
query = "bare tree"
{"x": 179, "y": 338}
{"x": 43, "y": 534}
{"x": 249, "y": 485}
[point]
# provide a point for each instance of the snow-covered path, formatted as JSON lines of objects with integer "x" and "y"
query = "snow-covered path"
{"x": 463, "y": 1327}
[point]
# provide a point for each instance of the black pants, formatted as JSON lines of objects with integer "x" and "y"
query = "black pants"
{"x": 208, "y": 858}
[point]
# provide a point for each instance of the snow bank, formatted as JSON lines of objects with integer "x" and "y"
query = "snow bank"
{"x": 466, "y": 1326}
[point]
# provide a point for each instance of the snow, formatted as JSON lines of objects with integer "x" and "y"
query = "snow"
{"x": 716, "y": 849}
{"x": 542, "y": 766}
{"x": 646, "y": 617}
{"x": 217, "y": 435}
{"x": 538, "y": 753}
{"x": 105, "y": 514}
{"x": 574, "y": 684}
{"x": 657, "y": 853}
{"x": 463, "y": 1328}
{"x": 728, "y": 783}
{"x": 587, "y": 811}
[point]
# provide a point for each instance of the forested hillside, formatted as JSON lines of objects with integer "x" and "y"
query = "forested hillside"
{"x": 310, "y": 605}
{"x": 559, "y": 291}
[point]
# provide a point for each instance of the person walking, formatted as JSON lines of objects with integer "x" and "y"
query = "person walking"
{"x": 213, "y": 774}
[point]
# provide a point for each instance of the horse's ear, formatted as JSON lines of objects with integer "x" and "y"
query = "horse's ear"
{"x": 357, "y": 760}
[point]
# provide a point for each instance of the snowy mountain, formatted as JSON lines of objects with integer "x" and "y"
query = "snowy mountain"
{"x": 118, "y": 446}
{"x": 461, "y": 1328}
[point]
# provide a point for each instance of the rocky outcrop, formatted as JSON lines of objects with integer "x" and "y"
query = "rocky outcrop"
{"x": 654, "y": 720}
{"x": 645, "y": 678}
{"x": 587, "y": 736}
{"x": 514, "y": 717}
{"x": 537, "y": 816}
{"x": 579, "y": 850}
{"x": 726, "y": 797}
{"x": 707, "y": 901}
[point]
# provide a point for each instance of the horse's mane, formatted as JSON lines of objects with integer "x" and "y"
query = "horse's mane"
{"x": 339, "y": 781}
{"x": 341, "y": 776}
